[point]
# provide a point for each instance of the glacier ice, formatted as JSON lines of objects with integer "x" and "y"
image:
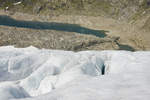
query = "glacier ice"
{"x": 41, "y": 74}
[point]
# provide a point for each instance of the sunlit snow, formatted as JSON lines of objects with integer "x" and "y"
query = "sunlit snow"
{"x": 40, "y": 74}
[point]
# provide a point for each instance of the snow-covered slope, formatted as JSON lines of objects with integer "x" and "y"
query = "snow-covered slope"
{"x": 33, "y": 74}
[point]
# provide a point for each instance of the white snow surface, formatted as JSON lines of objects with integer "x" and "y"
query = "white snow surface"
{"x": 40, "y": 74}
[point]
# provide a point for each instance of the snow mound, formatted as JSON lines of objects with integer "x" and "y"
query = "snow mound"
{"x": 65, "y": 75}
{"x": 10, "y": 90}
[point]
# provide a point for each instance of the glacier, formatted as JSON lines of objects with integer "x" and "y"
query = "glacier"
{"x": 41, "y": 74}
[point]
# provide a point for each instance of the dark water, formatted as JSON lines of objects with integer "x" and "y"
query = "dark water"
{"x": 8, "y": 21}
{"x": 125, "y": 47}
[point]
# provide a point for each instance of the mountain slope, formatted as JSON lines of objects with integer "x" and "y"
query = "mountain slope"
{"x": 112, "y": 8}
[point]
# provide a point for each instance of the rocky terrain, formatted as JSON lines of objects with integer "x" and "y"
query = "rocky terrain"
{"x": 54, "y": 39}
{"x": 75, "y": 24}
